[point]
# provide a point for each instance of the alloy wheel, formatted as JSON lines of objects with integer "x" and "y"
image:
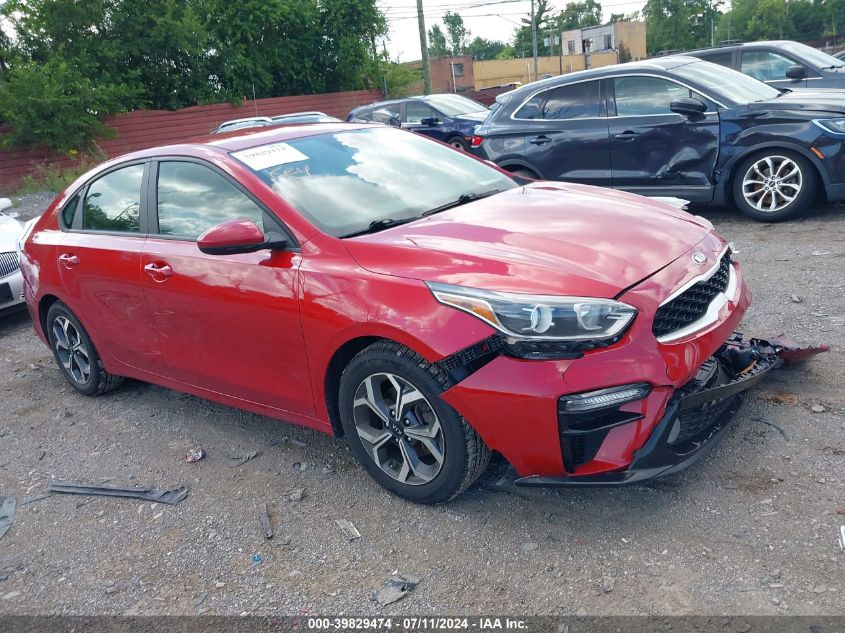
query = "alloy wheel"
{"x": 772, "y": 183}
{"x": 399, "y": 428}
{"x": 71, "y": 350}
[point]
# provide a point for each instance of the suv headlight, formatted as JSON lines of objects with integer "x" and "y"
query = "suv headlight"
{"x": 560, "y": 324}
{"x": 836, "y": 126}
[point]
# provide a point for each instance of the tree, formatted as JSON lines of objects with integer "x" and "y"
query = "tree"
{"x": 522, "y": 41}
{"x": 437, "y": 42}
{"x": 578, "y": 15}
{"x": 456, "y": 33}
{"x": 481, "y": 48}
{"x": 677, "y": 24}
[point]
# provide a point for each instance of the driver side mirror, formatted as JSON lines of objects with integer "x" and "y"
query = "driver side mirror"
{"x": 394, "y": 122}
{"x": 238, "y": 236}
{"x": 430, "y": 121}
{"x": 796, "y": 72}
{"x": 688, "y": 107}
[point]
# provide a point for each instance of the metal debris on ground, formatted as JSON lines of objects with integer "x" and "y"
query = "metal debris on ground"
{"x": 194, "y": 455}
{"x": 349, "y": 530}
{"x": 27, "y": 500}
{"x": 265, "y": 521}
{"x": 399, "y": 586}
{"x": 170, "y": 497}
{"x": 299, "y": 443}
{"x": 796, "y": 299}
{"x": 242, "y": 459}
{"x": 7, "y": 513}
{"x": 842, "y": 536}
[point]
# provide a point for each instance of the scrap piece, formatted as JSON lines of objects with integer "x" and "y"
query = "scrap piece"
{"x": 793, "y": 352}
{"x": 170, "y": 497}
{"x": 240, "y": 460}
{"x": 7, "y": 513}
{"x": 265, "y": 521}
{"x": 399, "y": 586}
{"x": 349, "y": 530}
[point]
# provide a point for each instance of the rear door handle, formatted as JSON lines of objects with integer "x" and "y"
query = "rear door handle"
{"x": 627, "y": 135}
{"x": 158, "y": 272}
{"x": 68, "y": 260}
{"x": 540, "y": 140}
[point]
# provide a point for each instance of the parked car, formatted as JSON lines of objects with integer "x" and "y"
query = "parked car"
{"x": 446, "y": 117}
{"x": 264, "y": 121}
{"x": 675, "y": 126}
{"x": 840, "y": 54}
{"x": 11, "y": 282}
{"x": 371, "y": 283}
{"x": 782, "y": 64}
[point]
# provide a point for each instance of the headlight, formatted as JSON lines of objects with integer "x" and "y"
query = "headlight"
{"x": 570, "y": 323}
{"x": 832, "y": 125}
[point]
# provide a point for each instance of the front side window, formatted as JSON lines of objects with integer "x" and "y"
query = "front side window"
{"x": 69, "y": 211}
{"x": 575, "y": 101}
{"x": 728, "y": 85}
{"x": 765, "y": 65}
{"x": 344, "y": 181}
{"x": 113, "y": 202}
{"x": 415, "y": 112}
{"x": 193, "y": 198}
{"x": 640, "y": 96}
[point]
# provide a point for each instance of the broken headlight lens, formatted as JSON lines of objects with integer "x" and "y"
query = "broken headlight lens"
{"x": 832, "y": 125}
{"x": 535, "y": 318}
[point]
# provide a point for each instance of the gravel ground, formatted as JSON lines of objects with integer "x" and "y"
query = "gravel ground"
{"x": 750, "y": 530}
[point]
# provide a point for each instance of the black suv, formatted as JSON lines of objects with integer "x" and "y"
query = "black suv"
{"x": 782, "y": 64}
{"x": 674, "y": 126}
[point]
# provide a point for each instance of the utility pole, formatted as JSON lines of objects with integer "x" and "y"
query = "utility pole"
{"x": 533, "y": 37}
{"x": 424, "y": 48}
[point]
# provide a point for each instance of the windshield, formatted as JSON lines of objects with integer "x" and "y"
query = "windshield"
{"x": 814, "y": 56}
{"x": 345, "y": 181}
{"x": 454, "y": 105}
{"x": 726, "y": 85}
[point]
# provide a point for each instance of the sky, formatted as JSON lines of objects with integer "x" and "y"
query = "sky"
{"x": 491, "y": 19}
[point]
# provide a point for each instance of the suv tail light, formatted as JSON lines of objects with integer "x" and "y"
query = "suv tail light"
{"x": 477, "y": 140}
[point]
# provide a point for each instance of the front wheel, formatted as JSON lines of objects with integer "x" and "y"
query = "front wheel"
{"x": 407, "y": 438}
{"x": 774, "y": 186}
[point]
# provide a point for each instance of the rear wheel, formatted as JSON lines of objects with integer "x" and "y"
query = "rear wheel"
{"x": 407, "y": 438}
{"x": 458, "y": 142}
{"x": 75, "y": 354}
{"x": 774, "y": 186}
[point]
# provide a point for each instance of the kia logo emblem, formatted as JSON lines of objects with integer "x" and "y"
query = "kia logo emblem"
{"x": 699, "y": 258}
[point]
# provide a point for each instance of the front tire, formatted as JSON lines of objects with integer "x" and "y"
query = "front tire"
{"x": 75, "y": 353}
{"x": 774, "y": 186}
{"x": 407, "y": 438}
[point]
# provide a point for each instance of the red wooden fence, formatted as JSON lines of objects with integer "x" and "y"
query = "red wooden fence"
{"x": 148, "y": 128}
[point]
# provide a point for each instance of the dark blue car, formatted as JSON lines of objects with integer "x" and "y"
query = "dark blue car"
{"x": 675, "y": 126}
{"x": 446, "y": 117}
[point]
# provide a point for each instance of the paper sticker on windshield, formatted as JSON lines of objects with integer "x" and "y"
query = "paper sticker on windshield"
{"x": 259, "y": 158}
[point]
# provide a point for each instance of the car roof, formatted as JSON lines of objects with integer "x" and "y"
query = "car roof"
{"x": 308, "y": 113}
{"x": 728, "y": 47}
{"x": 380, "y": 104}
{"x": 244, "y": 120}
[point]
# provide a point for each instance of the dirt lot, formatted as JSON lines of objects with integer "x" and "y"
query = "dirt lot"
{"x": 751, "y": 530}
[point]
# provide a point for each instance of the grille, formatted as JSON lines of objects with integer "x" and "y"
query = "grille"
{"x": 8, "y": 263}
{"x": 691, "y": 305}
{"x": 694, "y": 423}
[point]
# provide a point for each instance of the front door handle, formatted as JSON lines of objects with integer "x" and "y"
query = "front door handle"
{"x": 68, "y": 260}
{"x": 627, "y": 135}
{"x": 540, "y": 140}
{"x": 158, "y": 272}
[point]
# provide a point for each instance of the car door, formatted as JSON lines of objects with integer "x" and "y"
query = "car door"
{"x": 655, "y": 151}
{"x": 228, "y": 323}
{"x": 414, "y": 112}
{"x": 565, "y": 130}
{"x": 771, "y": 66}
{"x": 99, "y": 260}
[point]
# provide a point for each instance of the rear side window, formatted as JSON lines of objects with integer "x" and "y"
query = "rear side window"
{"x": 113, "y": 202}
{"x": 193, "y": 198}
{"x": 724, "y": 58}
{"x": 533, "y": 107}
{"x": 575, "y": 101}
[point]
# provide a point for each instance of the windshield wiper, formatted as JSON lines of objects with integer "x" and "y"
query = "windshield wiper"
{"x": 379, "y": 225}
{"x": 463, "y": 199}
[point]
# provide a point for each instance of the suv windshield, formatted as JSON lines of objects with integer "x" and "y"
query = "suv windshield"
{"x": 347, "y": 182}
{"x": 725, "y": 84}
{"x": 454, "y": 105}
{"x": 817, "y": 58}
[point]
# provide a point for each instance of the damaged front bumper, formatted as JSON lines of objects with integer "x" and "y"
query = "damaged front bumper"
{"x": 696, "y": 416}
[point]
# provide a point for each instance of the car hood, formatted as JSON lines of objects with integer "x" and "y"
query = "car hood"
{"x": 810, "y": 100}
{"x": 544, "y": 238}
{"x": 10, "y": 231}
{"x": 473, "y": 117}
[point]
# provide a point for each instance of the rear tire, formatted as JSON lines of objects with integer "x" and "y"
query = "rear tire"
{"x": 75, "y": 353}
{"x": 407, "y": 438}
{"x": 774, "y": 185}
{"x": 458, "y": 142}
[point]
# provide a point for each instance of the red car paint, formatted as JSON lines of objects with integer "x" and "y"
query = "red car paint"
{"x": 260, "y": 330}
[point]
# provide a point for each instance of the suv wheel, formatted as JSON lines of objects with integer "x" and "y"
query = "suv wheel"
{"x": 774, "y": 186}
{"x": 406, "y": 437}
{"x": 458, "y": 142}
{"x": 75, "y": 353}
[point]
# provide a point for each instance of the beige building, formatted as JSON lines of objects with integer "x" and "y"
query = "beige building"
{"x": 498, "y": 72}
{"x": 627, "y": 38}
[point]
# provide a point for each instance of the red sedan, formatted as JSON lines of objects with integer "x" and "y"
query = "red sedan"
{"x": 429, "y": 307}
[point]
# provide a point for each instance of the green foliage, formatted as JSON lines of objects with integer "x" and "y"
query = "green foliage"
{"x": 437, "y": 42}
{"x": 578, "y": 15}
{"x": 456, "y": 33}
{"x": 48, "y": 177}
{"x": 481, "y": 48}
{"x": 399, "y": 79}
{"x": 678, "y": 24}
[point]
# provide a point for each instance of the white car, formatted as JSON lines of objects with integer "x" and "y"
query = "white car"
{"x": 11, "y": 281}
